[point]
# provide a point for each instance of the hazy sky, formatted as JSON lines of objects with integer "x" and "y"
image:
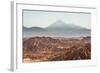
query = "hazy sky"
{"x": 45, "y": 18}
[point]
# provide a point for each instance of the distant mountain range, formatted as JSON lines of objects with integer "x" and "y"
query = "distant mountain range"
{"x": 57, "y": 29}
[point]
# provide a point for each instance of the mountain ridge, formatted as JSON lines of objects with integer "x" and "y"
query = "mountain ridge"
{"x": 58, "y": 28}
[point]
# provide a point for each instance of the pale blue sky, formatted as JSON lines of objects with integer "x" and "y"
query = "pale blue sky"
{"x": 45, "y": 18}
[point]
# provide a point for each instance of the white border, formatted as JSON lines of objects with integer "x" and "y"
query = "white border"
{"x": 17, "y": 38}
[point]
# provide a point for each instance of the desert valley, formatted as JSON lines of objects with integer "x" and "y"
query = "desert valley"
{"x": 56, "y": 49}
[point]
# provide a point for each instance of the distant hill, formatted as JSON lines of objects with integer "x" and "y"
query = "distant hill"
{"x": 57, "y": 29}
{"x": 35, "y": 29}
{"x": 31, "y": 31}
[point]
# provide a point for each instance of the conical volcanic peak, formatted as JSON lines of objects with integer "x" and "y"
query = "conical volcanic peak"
{"x": 58, "y": 23}
{"x": 62, "y": 25}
